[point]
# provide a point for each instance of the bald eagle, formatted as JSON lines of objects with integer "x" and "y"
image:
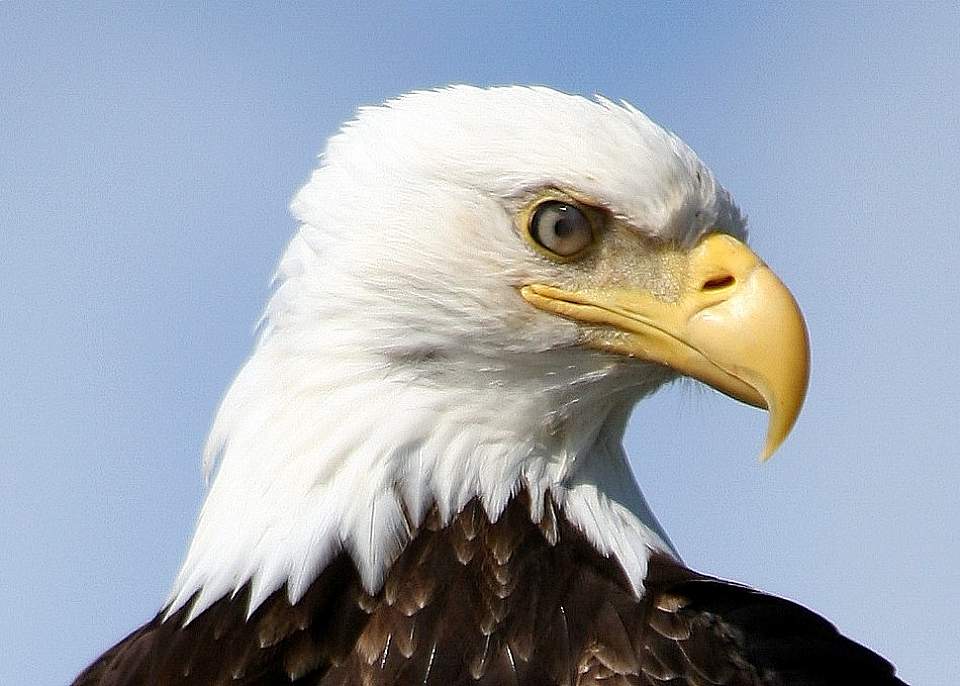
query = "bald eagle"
{"x": 419, "y": 476}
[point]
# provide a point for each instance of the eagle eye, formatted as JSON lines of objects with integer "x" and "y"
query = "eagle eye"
{"x": 561, "y": 228}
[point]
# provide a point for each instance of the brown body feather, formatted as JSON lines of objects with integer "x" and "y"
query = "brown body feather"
{"x": 510, "y": 602}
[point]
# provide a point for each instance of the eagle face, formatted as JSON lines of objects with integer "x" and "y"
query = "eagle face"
{"x": 469, "y": 214}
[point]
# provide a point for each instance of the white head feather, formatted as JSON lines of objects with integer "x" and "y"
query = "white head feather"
{"x": 399, "y": 369}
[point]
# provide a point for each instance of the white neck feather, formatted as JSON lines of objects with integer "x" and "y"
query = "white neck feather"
{"x": 315, "y": 459}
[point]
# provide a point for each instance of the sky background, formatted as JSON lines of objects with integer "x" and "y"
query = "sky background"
{"x": 147, "y": 156}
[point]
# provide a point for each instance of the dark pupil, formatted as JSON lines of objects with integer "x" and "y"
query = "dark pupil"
{"x": 566, "y": 223}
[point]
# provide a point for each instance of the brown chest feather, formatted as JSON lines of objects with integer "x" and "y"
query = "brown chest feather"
{"x": 510, "y": 602}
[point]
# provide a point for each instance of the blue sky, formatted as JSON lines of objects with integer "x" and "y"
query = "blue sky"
{"x": 147, "y": 156}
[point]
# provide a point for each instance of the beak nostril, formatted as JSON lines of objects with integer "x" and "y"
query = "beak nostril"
{"x": 718, "y": 283}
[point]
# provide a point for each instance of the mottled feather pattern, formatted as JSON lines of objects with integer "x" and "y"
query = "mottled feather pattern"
{"x": 510, "y": 602}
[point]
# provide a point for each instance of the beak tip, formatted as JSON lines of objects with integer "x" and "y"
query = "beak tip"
{"x": 777, "y": 433}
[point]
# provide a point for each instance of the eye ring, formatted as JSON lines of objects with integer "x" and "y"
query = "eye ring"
{"x": 560, "y": 228}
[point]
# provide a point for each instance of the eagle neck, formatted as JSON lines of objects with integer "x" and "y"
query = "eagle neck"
{"x": 312, "y": 466}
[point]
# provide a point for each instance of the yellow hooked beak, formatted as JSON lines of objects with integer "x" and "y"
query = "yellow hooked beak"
{"x": 735, "y": 327}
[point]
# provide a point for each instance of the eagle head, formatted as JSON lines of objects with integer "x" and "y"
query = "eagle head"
{"x": 483, "y": 283}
